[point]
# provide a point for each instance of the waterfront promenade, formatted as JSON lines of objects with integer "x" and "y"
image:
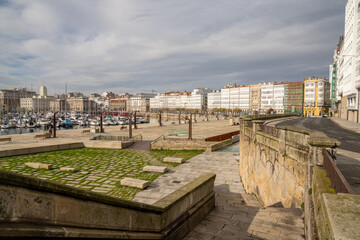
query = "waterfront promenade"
{"x": 149, "y": 132}
{"x": 236, "y": 215}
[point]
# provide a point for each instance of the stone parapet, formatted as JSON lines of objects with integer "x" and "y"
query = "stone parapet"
{"x": 336, "y": 215}
{"x": 40, "y": 149}
{"x": 276, "y": 164}
{"x": 46, "y": 209}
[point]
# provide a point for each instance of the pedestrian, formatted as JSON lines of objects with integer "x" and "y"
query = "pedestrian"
{"x": 50, "y": 129}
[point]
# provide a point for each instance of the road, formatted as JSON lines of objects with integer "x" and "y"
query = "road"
{"x": 348, "y": 154}
{"x": 350, "y": 140}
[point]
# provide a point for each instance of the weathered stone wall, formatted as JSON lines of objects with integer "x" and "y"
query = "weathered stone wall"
{"x": 278, "y": 166}
{"x": 336, "y": 215}
{"x": 45, "y": 209}
{"x": 186, "y": 144}
{"x": 40, "y": 149}
{"x": 273, "y": 168}
{"x": 180, "y": 144}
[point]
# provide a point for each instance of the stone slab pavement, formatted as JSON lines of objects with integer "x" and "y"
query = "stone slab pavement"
{"x": 236, "y": 215}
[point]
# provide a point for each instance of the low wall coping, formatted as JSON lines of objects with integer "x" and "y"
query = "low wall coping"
{"x": 161, "y": 206}
{"x": 344, "y": 215}
{"x": 317, "y": 138}
{"x": 258, "y": 121}
{"x": 171, "y": 199}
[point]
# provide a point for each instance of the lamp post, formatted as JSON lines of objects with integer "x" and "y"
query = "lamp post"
{"x": 101, "y": 123}
{"x": 54, "y": 125}
{"x": 130, "y": 125}
{"x": 135, "y": 126}
{"x": 190, "y": 127}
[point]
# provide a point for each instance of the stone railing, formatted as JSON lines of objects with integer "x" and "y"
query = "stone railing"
{"x": 31, "y": 207}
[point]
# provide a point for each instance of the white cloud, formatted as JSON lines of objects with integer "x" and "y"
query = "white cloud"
{"x": 145, "y": 44}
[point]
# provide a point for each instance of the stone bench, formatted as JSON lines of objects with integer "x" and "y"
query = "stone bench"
{"x": 173, "y": 160}
{"x": 132, "y": 182}
{"x": 38, "y": 165}
{"x": 85, "y": 131}
{"x": 44, "y": 135}
{"x": 6, "y": 139}
{"x": 156, "y": 169}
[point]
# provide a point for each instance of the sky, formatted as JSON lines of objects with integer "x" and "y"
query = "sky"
{"x": 164, "y": 45}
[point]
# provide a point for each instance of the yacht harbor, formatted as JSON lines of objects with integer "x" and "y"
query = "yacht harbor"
{"x": 32, "y": 123}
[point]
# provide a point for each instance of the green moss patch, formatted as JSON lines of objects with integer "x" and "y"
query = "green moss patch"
{"x": 99, "y": 170}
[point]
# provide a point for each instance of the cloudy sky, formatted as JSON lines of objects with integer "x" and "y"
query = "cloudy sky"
{"x": 145, "y": 45}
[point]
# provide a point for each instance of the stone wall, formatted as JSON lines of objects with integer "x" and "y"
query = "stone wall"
{"x": 31, "y": 207}
{"x": 336, "y": 215}
{"x": 40, "y": 149}
{"x": 167, "y": 143}
{"x": 276, "y": 164}
{"x": 274, "y": 168}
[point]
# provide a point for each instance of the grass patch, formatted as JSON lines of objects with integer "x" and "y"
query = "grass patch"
{"x": 102, "y": 168}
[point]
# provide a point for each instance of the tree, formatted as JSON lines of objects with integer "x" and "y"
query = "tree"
{"x": 270, "y": 111}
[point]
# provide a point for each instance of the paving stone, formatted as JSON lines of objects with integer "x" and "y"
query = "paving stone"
{"x": 132, "y": 182}
{"x": 67, "y": 169}
{"x": 156, "y": 169}
{"x": 173, "y": 160}
{"x": 39, "y": 165}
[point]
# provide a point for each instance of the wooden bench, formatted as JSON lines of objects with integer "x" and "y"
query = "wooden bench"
{"x": 86, "y": 131}
{"x": 6, "y": 139}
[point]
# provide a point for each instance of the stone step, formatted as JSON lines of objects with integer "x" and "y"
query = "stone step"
{"x": 132, "y": 182}
{"x": 38, "y": 165}
{"x": 156, "y": 169}
{"x": 173, "y": 160}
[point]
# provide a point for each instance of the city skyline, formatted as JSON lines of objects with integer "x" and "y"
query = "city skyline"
{"x": 140, "y": 46}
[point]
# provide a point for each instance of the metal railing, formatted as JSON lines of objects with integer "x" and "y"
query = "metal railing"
{"x": 270, "y": 130}
{"x": 162, "y": 137}
{"x": 137, "y": 138}
{"x": 222, "y": 137}
{"x": 338, "y": 181}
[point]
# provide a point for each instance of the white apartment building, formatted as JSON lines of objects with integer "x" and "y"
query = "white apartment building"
{"x": 225, "y": 98}
{"x": 198, "y": 99}
{"x": 349, "y": 63}
{"x": 195, "y": 100}
{"x": 35, "y": 104}
{"x": 244, "y": 99}
{"x": 267, "y": 97}
{"x": 231, "y": 97}
{"x": 272, "y": 96}
{"x": 139, "y": 102}
{"x": 279, "y": 92}
{"x": 214, "y": 100}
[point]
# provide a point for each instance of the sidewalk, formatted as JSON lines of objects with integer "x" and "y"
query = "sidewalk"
{"x": 352, "y": 126}
{"x": 237, "y": 215}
